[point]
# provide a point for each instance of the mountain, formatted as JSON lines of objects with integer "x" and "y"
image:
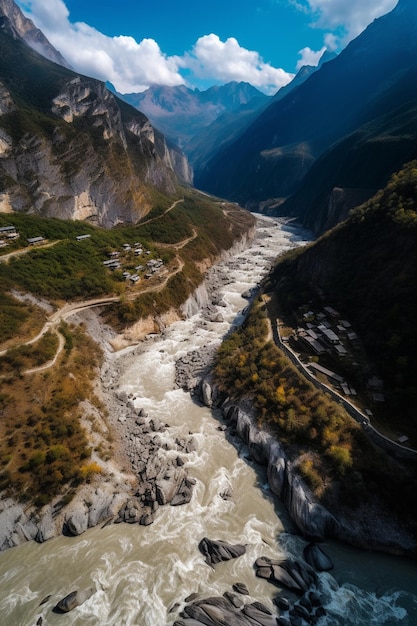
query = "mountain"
{"x": 338, "y": 180}
{"x": 71, "y": 149}
{"x": 24, "y": 28}
{"x": 366, "y": 269}
{"x": 181, "y": 113}
{"x": 368, "y": 80}
{"x": 213, "y": 139}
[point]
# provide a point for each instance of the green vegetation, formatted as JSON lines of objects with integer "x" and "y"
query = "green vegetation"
{"x": 23, "y": 357}
{"x": 42, "y": 444}
{"x": 18, "y": 319}
{"x": 366, "y": 268}
{"x": 43, "y": 448}
{"x": 249, "y": 364}
{"x": 340, "y": 464}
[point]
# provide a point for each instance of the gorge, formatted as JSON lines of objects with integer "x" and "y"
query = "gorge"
{"x": 138, "y": 574}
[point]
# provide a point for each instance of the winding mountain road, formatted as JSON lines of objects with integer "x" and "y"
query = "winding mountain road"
{"x": 351, "y": 409}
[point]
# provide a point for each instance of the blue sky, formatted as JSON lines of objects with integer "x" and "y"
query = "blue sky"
{"x": 136, "y": 43}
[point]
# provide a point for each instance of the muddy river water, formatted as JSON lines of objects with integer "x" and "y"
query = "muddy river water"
{"x": 139, "y": 573}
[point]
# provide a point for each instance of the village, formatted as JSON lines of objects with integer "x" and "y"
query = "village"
{"x": 131, "y": 260}
{"x": 331, "y": 350}
{"x": 125, "y": 260}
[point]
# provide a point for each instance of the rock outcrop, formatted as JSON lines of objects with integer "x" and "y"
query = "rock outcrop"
{"x": 78, "y": 151}
{"x": 72, "y": 600}
{"x": 25, "y": 29}
{"x": 215, "y": 551}
{"x": 311, "y": 518}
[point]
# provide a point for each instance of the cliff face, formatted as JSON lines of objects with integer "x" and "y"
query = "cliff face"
{"x": 313, "y": 520}
{"x": 25, "y": 29}
{"x": 70, "y": 149}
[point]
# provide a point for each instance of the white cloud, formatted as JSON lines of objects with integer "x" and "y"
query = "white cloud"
{"x": 352, "y": 16}
{"x": 310, "y": 57}
{"x": 344, "y": 18}
{"x": 228, "y": 61}
{"x": 133, "y": 66}
{"x": 129, "y": 65}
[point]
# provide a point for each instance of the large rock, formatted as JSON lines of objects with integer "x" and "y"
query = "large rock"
{"x": 317, "y": 558}
{"x": 223, "y": 611}
{"x": 169, "y": 484}
{"x": 132, "y": 511}
{"x": 293, "y": 574}
{"x": 72, "y": 600}
{"x": 77, "y": 521}
{"x": 217, "y": 551}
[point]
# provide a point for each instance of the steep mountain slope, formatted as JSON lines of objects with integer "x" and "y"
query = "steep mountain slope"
{"x": 24, "y": 28}
{"x": 225, "y": 129}
{"x": 271, "y": 157}
{"x": 366, "y": 269}
{"x": 181, "y": 113}
{"x": 70, "y": 148}
{"x": 353, "y": 169}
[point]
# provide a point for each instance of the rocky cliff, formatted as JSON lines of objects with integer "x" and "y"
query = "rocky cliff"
{"x": 71, "y": 149}
{"x": 25, "y": 29}
{"x": 313, "y": 520}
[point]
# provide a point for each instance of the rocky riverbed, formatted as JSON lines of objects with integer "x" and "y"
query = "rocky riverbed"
{"x": 169, "y": 450}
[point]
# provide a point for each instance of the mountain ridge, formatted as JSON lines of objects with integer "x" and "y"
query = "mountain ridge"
{"x": 180, "y": 112}
{"x": 70, "y": 148}
{"x": 25, "y": 29}
{"x": 271, "y": 157}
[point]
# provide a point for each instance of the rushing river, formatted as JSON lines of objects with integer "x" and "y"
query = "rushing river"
{"x": 139, "y": 573}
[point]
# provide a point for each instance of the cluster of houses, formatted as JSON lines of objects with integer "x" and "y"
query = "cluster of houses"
{"x": 322, "y": 332}
{"x": 115, "y": 262}
{"x": 325, "y": 333}
{"x": 7, "y": 235}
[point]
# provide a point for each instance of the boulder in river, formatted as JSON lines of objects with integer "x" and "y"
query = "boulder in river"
{"x": 222, "y": 611}
{"x": 317, "y": 558}
{"x": 72, "y": 600}
{"x": 216, "y": 551}
{"x": 291, "y": 573}
{"x": 241, "y": 588}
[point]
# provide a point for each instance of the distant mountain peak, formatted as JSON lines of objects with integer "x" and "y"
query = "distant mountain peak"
{"x": 180, "y": 112}
{"x": 23, "y": 28}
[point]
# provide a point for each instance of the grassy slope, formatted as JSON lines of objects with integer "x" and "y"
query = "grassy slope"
{"x": 42, "y": 445}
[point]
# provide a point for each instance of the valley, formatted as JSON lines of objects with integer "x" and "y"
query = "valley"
{"x": 207, "y": 402}
{"x": 159, "y": 565}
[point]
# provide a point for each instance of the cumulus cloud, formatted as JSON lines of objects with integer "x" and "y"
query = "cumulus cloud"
{"x": 350, "y": 18}
{"x": 133, "y": 66}
{"x": 227, "y": 61}
{"x": 310, "y": 57}
{"x": 129, "y": 65}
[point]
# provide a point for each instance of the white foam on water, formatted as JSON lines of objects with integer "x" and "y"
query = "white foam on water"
{"x": 348, "y": 605}
{"x": 140, "y": 573}
{"x": 16, "y": 598}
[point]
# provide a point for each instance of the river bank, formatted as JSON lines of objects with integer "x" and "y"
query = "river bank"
{"x": 145, "y": 467}
{"x": 143, "y": 575}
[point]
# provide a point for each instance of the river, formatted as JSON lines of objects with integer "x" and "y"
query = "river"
{"x": 139, "y": 573}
